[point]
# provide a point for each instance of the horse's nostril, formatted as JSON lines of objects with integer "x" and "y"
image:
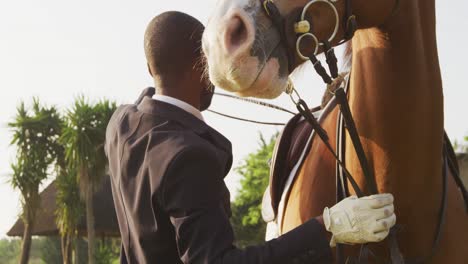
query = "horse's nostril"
{"x": 236, "y": 33}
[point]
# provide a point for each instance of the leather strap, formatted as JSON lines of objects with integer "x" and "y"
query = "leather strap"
{"x": 343, "y": 192}
{"x": 350, "y": 23}
{"x": 453, "y": 165}
{"x": 278, "y": 21}
{"x": 305, "y": 112}
{"x": 351, "y": 127}
{"x": 395, "y": 253}
{"x": 341, "y": 184}
{"x": 332, "y": 61}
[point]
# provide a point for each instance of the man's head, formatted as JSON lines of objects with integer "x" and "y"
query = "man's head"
{"x": 175, "y": 59}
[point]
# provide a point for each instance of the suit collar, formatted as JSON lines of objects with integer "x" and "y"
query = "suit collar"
{"x": 179, "y": 103}
{"x": 174, "y": 113}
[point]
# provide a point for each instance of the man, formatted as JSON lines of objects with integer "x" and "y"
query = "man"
{"x": 167, "y": 167}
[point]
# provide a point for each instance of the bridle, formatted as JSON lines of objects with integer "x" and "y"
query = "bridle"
{"x": 303, "y": 30}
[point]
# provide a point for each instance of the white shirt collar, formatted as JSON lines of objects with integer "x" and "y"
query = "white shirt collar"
{"x": 181, "y": 104}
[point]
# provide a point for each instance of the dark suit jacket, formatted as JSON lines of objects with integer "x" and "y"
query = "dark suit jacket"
{"x": 167, "y": 169}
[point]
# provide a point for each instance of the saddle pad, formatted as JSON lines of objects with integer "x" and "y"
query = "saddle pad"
{"x": 289, "y": 146}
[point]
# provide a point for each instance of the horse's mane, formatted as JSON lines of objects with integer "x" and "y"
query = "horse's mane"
{"x": 347, "y": 56}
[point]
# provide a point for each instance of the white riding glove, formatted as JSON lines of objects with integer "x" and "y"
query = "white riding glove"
{"x": 360, "y": 220}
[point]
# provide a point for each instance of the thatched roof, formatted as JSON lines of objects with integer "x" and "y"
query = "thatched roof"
{"x": 104, "y": 213}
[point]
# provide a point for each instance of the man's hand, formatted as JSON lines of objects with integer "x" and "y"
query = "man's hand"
{"x": 360, "y": 220}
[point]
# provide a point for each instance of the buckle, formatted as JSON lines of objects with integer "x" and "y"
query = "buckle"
{"x": 265, "y": 6}
{"x": 302, "y": 27}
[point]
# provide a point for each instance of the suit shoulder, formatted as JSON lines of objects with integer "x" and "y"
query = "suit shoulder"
{"x": 181, "y": 140}
{"x": 118, "y": 114}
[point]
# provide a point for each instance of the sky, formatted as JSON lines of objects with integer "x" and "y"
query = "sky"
{"x": 57, "y": 50}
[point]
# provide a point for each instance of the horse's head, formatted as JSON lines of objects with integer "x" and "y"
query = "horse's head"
{"x": 247, "y": 54}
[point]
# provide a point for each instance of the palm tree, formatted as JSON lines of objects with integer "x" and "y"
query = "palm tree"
{"x": 36, "y": 136}
{"x": 83, "y": 138}
{"x": 69, "y": 209}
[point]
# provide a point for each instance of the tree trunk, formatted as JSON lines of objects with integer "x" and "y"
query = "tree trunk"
{"x": 26, "y": 245}
{"x": 77, "y": 250}
{"x": 66, "y": 248}
{"x": 29, "y": 215}
{"x": 63, "y": 245}
{"x": 90, "y": 222}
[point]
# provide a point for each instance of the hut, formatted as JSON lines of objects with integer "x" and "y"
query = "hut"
{"x": 106, "y": 224}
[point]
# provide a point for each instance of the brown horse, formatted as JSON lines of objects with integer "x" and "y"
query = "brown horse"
{"x": 395, "y": 96}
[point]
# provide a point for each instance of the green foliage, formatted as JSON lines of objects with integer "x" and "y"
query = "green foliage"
{"x": 461, "y": 146}
{"x": 9, "y": 251}
{"x": 49, "y": 249}
{"x": 36, "y": 135}
{"x": 247, "y": 220}
{"x": 76, "y": 148}
{"x": 43, "y": 250}
{"x": 107, "y": 250}
{"x": 83, "y": 138}
{"x": 69, "y": 205}
{"x": 81, "y": 245}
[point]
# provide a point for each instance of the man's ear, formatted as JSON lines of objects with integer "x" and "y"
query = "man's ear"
{"x": 149, "y": 70}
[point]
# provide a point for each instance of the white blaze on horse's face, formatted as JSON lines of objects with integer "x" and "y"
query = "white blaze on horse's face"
{"x": 243, "y": 50}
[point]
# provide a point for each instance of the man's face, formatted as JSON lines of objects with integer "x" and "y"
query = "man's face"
{"x": 206, "y": 96}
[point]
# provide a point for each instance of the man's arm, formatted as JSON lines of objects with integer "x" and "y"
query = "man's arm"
{"x": 192, "y": 196}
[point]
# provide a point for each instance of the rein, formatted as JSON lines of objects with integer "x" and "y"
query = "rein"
{"x": 252, "y": 101}
{"x": 257, "y": 102}
{"x": 246, "y": 120}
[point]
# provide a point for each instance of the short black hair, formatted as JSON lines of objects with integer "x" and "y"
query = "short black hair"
{"x": 173, "y": 45}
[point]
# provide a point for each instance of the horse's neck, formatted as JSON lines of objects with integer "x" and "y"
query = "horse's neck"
{"x": 396, "y": 97}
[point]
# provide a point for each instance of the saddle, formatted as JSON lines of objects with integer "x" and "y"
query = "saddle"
{"x": 289, "y": 146}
